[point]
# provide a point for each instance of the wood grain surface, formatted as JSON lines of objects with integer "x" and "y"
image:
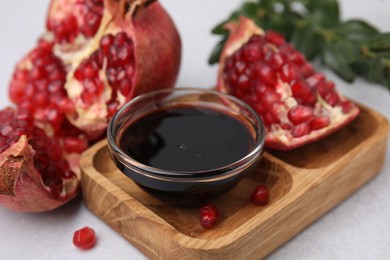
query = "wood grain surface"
{"x": 304, "y": 184}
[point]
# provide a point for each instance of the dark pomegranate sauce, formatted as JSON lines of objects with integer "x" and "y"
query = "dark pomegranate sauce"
{"x": 185, "y": 138}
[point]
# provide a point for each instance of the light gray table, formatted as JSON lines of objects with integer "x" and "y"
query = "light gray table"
{"x": 356, "y": 229}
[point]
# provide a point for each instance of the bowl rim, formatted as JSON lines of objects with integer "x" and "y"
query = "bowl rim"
{"x": 158, "y": 173}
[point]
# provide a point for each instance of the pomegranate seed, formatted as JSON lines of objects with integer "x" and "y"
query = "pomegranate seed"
{"x": 319, "y": 122}
{"x": 54, "y": 117}
{"x": 265, "y": 73}
{"x": 84, "y": 238}
{"x": 120, "y": 38}
{"x": 302, "y": 91}
{"x": 208, "y": 216}
{"x": 300, "y": 114}
{"x": 346, "y": 106}
{"x": 269, "y": 97}
{"x": 106, "y": 43}
{"x": 5, "y": 129}
{"x": 112, "y": 107}
{"x": 300, "y": 130}
{"x": 251, "y": 53}
{"x": 243, "y": 82}
{"x": 275, "y": 38}
{"x": 92, "y": 24}
{"x": 260, "y": 195}
{"x": 290, "y": 72}
{"x": 315, "y": 79}
{"x": 276, "y": 60}
{"x": 332, "y": 99}
{"x": 75, "y": 145}
{"x": 125, "y": 87}
{"x": 307, "y": 70}
{"x": 240, "y": 67}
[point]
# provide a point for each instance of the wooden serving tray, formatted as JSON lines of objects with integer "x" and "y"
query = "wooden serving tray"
{"x": 304, "y": 184}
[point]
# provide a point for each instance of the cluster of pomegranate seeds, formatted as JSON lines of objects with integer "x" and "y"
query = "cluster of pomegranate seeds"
{"x": 38, "y": 86}
{"x": 48, "y": 158}
{"x": 116, "y": 54}
{"x": 208, "y": 216}
{"x": 260, "y": 195}
{"x": 87, "y": 21}
{"x": 280, "y": 85}
{"x": 84, "y": 238}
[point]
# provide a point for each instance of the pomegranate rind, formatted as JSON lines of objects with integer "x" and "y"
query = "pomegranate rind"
{"x": 277, "y": 137}
{"x": 21, "y": 185}
{"x": 157, "y": 54}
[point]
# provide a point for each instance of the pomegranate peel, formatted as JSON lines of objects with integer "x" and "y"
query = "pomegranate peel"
{"x": 297, "y": 104}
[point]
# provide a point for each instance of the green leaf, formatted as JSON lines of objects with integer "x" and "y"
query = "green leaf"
{"x": 249, "y": 9}
{"x": 325, "y": 14}
{"x": 219, "y": 29}
{"x": 356, "y": 30}
{"x": 306, "y": 41}
{"x": 375, "y": 70}
{"x": 216, "y": 53}
{"x": 379, "y": 42}
{"x": 333, "y": 57}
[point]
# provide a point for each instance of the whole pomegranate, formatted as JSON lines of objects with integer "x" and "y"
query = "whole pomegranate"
{"x": 95, "y": 56}
{"x": 297, "y": 104}
{"x": 34, "y": 176}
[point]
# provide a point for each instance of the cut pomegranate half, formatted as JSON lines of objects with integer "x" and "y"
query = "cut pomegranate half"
{"x": 297, "y": 104}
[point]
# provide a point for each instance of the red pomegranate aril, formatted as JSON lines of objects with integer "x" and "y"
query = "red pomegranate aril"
{"x": 208, "y": 216}
{"x": 300, "y": 130}
{"x": 300, "y": 114}
{"x": 92, "y": 24}
{"x": 315, "y": 79}
{"x": 275, "y": 38}
{"x": 302, "y": 91}
{"x": 332, "y": 99}
{"x": 307, "y": 69}
{"x": 269, "y": 97}
{"x": 260, "y": 195}
{"x": 319, "y": 122}
{"x": 346, "y": 106}
{"x": 251, "y": 53}
{"x": 84, "y": 238}
{"x": 106, "y": 43}
{"x": 75, "y": 145}
{"x": 243, "y": 82}
{"x": 265, "y": 73}
{"x": 289, "y": 72}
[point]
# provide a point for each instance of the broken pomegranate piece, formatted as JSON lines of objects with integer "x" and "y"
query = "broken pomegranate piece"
{"x": 297, "y": 104}
{"x": 34, "y": 175}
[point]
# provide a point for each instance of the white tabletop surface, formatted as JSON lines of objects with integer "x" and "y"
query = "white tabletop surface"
{"x": 356, "y": 229}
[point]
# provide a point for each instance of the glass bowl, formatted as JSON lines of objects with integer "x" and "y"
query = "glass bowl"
{"x": 185, "y": 186}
